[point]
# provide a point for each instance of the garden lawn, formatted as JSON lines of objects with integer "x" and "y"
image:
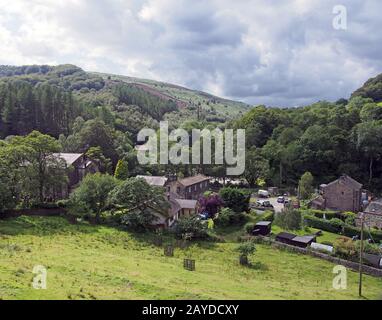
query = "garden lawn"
{"x": 98, "y": 262}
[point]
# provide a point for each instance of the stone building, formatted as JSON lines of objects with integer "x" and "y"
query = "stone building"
{"x": 191, "y": 187}
{"x": 343, "y": 194}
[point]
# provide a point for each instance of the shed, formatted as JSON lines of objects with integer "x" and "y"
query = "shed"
{"x": 262, "y": 228}
{"x": 303, "y": 241}
{"x": 285, "y": 237}
{"x": 373, "y": 260}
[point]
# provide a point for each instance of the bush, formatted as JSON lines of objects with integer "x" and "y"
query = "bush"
{"x": 192, "y": 228}
{"x": 321, "y": 213}
{"x": 228, "y": 217}
{"x": 289, "y": 219}
{"x": 235, "y": 199}
{"x": 345, "y": 248}
{"x": 326, "y": 225}
{"x": 268, "y": 216}
{"x": 249, "y": 227}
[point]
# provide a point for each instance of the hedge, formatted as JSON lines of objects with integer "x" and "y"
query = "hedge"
{"x": 351, "y": 231}
{"x": 326, "y": 225}
{"x": 337, "y": 226}
{"x": 268, "y": 216}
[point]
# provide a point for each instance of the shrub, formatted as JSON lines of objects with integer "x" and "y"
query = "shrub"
{"x": 326, "y": 225}
{"x": 192, "y": 227}
{"x": 249, "y": 227}
{"x": 268, "y": 216}
{"x": 228, "y": 217}
{"x": 235, "y": 199}
{"x": 289, "y": 219}
{"x": 345, "y": 248}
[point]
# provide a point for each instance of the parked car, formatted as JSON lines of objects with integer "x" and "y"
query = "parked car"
{"x": 281, "y": 199}
{"x": 264, "y": 203}
{"x": 263, "y": 194}
{"x": 203, "y": 216}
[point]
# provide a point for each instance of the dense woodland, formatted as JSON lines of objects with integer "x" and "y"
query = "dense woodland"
{"x": 100, "y": 115}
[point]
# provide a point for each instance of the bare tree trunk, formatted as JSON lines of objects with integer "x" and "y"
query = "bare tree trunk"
{"x": 370, "y": 171}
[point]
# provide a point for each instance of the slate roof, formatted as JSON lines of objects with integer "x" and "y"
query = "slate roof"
{"x": 158, "y": 181}
{"x": 69, "y": 158}
{"x": 187, "y": 204}
{"x": 193, "y": 180}
{"x": 374, "y": 207}
{"x": 346, "y": 180}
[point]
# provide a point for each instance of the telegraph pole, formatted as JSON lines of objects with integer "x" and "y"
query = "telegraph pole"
{"x": 361, "y": 255}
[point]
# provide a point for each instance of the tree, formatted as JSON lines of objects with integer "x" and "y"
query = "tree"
{"x": 95, "y": 154}
{"x": 191, "y": 228}
{"x": 289, "y": 219}
{"x": 210, "y": 203}
{"x": 235, "y": 199}
{"x": 122, "y": 170}
{"x": 43, "y": 169}
{"x": 256, "y": 167}
{"x": 246, "y": 249}
{"x": 136, "y": 197}
{"x": 369, "y": 141}
{"x": 305, "y": 186}
{"x": 92, "y": 195}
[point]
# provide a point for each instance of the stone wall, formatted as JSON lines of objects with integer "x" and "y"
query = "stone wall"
{"x": 346, "y": 263}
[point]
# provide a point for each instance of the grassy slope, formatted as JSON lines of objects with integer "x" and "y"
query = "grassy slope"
{"x": 100, "y": 262}
{"x": 223, "y": 107}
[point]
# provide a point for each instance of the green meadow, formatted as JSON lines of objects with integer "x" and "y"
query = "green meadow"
{"x": 98, "y": 262}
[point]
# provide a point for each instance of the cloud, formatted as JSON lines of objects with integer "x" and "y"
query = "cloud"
{"x": 282, "y": 53}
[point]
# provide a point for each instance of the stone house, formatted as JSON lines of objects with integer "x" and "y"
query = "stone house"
{"x": 190, "y": 188}
{"x": 78, "y": 166}
{"x": 343, "y": 194}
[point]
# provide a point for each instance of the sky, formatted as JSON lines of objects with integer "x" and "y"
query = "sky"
{"x": 272, "y": 52}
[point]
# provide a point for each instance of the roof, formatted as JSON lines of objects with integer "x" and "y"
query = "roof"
{"x": 319, "y": 200}
{"x": 263, "y": 223}
{"x": 304, "y": 239}
{"x": 193, "y": 180}
{"x": 374, "y": 207}
{"x": 186, "y": 204}
{"x": 69, "y": 158}
{"x": 286, "y": 235}
{"x": 158, "y": 181}
{"x": 175, "y": 207}
{"x": 345, "y": 179}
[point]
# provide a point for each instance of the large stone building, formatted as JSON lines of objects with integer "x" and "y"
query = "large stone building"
{"x": 190, "y": 187}
{"x": 180, "y": 205}
{"x": 78, "y": 165}
{"x": 343, "y": 194}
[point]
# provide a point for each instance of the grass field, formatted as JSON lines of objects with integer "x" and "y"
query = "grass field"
{"x": 98, "y": 262}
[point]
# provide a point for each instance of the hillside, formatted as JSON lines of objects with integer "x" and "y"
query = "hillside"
{"x": 371, "y": 89}
{"x": 49, "y": 98}
{"x": 98, "y": 262}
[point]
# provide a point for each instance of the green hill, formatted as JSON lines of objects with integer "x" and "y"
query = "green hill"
{"x": 99, "y": 262}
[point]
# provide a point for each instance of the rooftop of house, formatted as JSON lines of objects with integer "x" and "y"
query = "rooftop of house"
{"x": 187, "y": 204}
{"x": 189, "y": 181}
{"x": 344, "y": 179}
{"x": 374, "y": 207}
{"x": 158, "y": 181}
{"x": 69, "y": 158}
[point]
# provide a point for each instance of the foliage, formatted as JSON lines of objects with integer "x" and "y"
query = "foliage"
{"x": 235, "y": 199}
{"x": 249, "y": 227}
{"x": 191, "y": 228}
{"x": 228, "y": 217}
{"x": 210, "y": 203}
{"x": 256, "y": 167}
{"x": 122, "y": 170}
{"x": 138, "y": 221}
{"x": 306, "y": 186}
{"x": 334, "y": 225}
{"x": 91, "y": 197}
{"x": 345, "y": 248}
{"x": 289, "y": 219}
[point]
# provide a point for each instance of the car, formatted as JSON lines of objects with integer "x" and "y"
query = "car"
{"x": 203, "y": 216}
{"x": 263, "y": 194}
{"x": 281, "y": 199}
{"x": 264, "y": 203}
